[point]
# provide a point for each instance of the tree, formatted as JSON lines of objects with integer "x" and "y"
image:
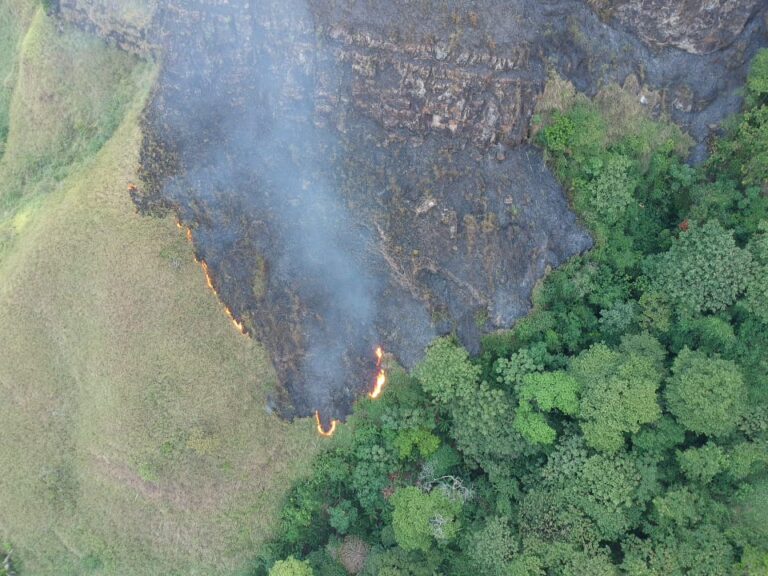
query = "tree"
{"x": 706, "y": 395}
{"x": 603, "y": 488}
{"x": 481, "y": 414}
{"x": 546, "y": 391}
{"x": 421, "y": 518}
{"x": 704, "y": 270}
{"x": 618, "y": 394}
{"x": 757, "y": 291}
{"x": 702, "y": 464}
{"x": 703, "y": 551}
{"x": 291, "y": 567}
{"x": 446, "y": 372}
{"x": 493, "y": 546}
{"x": 603, "y": 198}
{"x": 757, "y": 82}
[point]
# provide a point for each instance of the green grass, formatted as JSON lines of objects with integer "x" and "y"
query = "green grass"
{"x": 134, "y": 438}
{"x": 14, "y": 18}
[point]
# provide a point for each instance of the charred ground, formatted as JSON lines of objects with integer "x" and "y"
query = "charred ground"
{"x": 358, "y": 173}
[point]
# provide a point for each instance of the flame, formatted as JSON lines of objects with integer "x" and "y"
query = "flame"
{"x": 381, "y": 375}
{"x": 321, "y": 430}
{"x": 208, "y": 278}
{"x": 235, "y": 322}
{"x": 381, "y": 379}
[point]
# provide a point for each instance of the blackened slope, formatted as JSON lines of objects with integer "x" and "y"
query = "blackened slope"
{"x": 356, "y": 173}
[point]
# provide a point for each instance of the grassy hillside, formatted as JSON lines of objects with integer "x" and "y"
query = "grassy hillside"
{"x": 14, "y": 19}
{"x": 135, "y": 438}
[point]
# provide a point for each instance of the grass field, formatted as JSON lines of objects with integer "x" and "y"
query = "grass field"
{"x": 134, "y": 434}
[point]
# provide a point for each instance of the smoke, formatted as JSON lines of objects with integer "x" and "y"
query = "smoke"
{"x": 350, "y": 188}
{"x": 256, "y": 171}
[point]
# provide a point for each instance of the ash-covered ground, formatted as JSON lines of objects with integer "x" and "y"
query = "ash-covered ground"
{"x": 356, "y": 173}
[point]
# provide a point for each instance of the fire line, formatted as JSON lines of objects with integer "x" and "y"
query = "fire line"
{"x": 381, "y": 380}
{"x": 381, "y": 376}
{"x": 209, "y": 280}
{"x": 321, "y": 430}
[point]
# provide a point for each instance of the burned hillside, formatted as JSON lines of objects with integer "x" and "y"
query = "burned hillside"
{"x": 358, "y": 174}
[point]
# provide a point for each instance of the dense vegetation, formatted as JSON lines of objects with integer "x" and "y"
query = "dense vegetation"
{"x": 621, "y": 428}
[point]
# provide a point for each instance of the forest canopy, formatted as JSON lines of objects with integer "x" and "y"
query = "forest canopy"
{"x": 620, "y": 428}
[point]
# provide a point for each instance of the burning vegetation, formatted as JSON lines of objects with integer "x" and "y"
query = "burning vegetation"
{"x": 315, "y": 233}
{"x": 378, "y": 388}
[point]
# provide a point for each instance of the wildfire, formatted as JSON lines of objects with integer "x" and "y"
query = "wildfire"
{"x": 381, "y": 380}
{"x": 381, "y": 375}
{"x": 322, "y": 431}
{"x": 235, "y": 322}
{"x": 208, "y": 278}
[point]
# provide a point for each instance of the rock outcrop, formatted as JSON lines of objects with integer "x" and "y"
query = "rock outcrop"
{"x": 696, "y": 26}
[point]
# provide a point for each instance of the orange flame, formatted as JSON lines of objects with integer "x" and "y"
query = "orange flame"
{"x": 321, "y": 430}
{"x": 208, "y": 278}
{"x": 235, "y": 322}
{"x": 381, "y": 376}
{"x": 381, "y": 379}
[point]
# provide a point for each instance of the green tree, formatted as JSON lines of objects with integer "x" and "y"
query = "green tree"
{"x": 704, "y": 270}
{"x": 421, "y": 518}
{"x": 481, "y": 414}
{"x": 604, "y": 488}
{"x": 757, "y": 81}
{"x": 706, "y": 395}
{"x": 446, "y": 372}
{"x": 492, "y": 547}
{"x": 603, "y": 197}
{"x": 703, "y": 551}
{"x": 618, "y": 394}
{"x": 757, "y": 291}
{"x": 546, "y": 392}
{"x": 291, "y": 567}
{"x": 702, "y": 464}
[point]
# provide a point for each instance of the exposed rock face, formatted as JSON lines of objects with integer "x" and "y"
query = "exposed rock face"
{"x": 474, "y": 93}
{"x": 696, "y": 26}
{"x": 357, "y": 173}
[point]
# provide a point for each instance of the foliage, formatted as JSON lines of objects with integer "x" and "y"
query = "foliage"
{"x": 618, "y": 394}
{"x": 548, "y": 391}
{"x": 707, "y": 395}
{"x": 621, "y": 427}
{"x": 492, "y": 547}
{"x": 421, "y": 518}
{"x": 757, "y": 82}
{"x": 291, "y": 567}
{"x": 704, "y": 270}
